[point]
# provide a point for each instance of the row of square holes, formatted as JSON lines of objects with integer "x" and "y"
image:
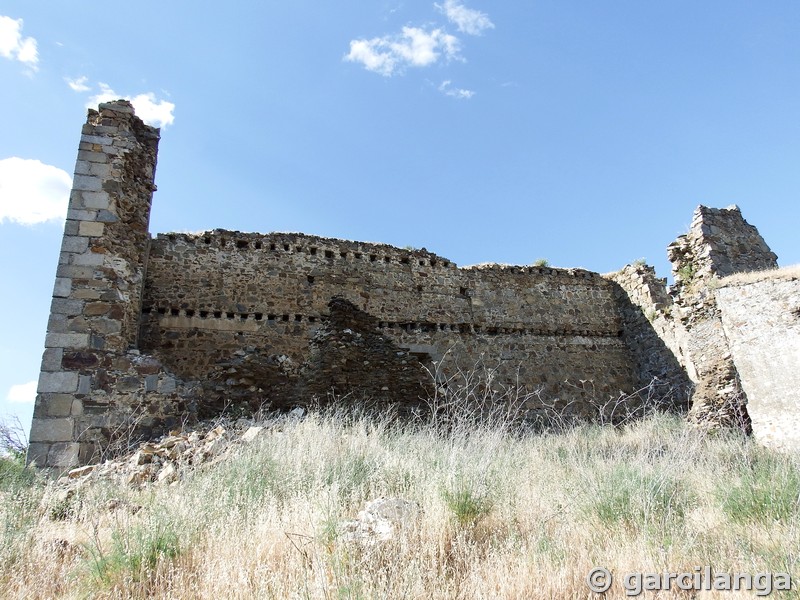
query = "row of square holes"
{"x": 242, "y": 244}
{"x": 220, "y": 314}
{"x": 408, "y": 327}
{"x": 467, "y": 328}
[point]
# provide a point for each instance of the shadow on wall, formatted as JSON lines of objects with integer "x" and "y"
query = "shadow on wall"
{"x": 662, "y": 378}
{"x": 347, "y": 360}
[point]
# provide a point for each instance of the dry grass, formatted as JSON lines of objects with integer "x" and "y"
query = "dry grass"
{"x": 504, "y": 516}
{"x": 782, "y": 274}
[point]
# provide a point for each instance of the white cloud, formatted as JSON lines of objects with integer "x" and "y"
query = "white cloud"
{"x": 158, "y": 113}
{"x": 413, "y": 47}
{"x": 78, "y": 84}
{"x": 14, "y": 46}
{"x": 467, "y": 20}
{"x": 455, "y": 92}
{"x": 32, "y": 192}
{"x": 22, "y": 393}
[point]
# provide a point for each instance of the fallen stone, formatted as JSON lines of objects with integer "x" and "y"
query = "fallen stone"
{"x": 80, "y": 472}
{"x": 380, "y": 520}
{"x": 251, "y": 434}
{"x": 168, "y": 474}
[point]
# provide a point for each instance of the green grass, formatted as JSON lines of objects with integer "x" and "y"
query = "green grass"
{"x": 467, "y": 503}
{"x": 636, "y": 498}
{"x": 764, "y": 488}
{"x": 134, "y": 554}
{"x": 14, "y": 475}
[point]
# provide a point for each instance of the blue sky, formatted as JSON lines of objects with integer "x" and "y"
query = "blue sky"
{"x": 580, "y": 132}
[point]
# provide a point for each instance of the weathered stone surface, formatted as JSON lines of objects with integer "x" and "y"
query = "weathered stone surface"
{"x": 59, "y": 405}
{"x": 51, "y": 359}
{"x": 58, "y": 382}
{"x": 654, "y": 338}
{"x": 75, "y": 243}
{"x": 63, "y": 455}
{"x": 719, "y": 243}
{"x": 62, "y": 288}
{"x": 537, "y": 326}
{"x": 106, "y": 216}
{"x": 91, "y": 156}
{"x": 90, "y": 229}
{"x": 96, "y": 199}
{"x": 66, "y": 340}
{"x": 84, "y": 385}
{"x": 102, "y": 259}
{"x": 167, "y": 385}
{"x": 761, "y": 320}
{"x": 37, "y": 453}
{"x": 86, "y": 183}
{"x": 716, "y": 331}
{"x": 76, "y": 272}
{"x": 88, "y": 259}
{"x": 51, "y": 430}
{"x": 252, "y": 433}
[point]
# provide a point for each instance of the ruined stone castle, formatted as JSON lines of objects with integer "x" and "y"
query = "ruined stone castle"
{"x": 148, "y": 333}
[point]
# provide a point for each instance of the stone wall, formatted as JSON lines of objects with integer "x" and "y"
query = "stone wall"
{"x": 719, "y": 242}
{"x": 92, "y": 377}
{"x": 761, "y": 321}
{"x": 655, "y": 337}
{"x": 210, "y": 296}
{"x": 731, "y": 338}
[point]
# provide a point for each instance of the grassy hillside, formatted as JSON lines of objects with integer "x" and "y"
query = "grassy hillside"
{"x": 501, "y": 515}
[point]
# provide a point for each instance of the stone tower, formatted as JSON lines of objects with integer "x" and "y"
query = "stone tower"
{"x": 97, "y": 295}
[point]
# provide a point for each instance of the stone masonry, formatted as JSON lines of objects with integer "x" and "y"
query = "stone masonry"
{"x": 761, "y": 322}
{"x": 90, "y": 362}
{"x": 146, "y": 333}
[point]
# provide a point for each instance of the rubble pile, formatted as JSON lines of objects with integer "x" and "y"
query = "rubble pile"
{"x": 164, "y": 461}
{"x": 380, "y": 520}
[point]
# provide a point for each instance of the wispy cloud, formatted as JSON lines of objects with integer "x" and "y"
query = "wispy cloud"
{"x": 32, "y": 192}
{"x": 22, "y": 393}
{"x": 468, "y": 20}
{"x": 158, "y": 113}
{"x": 458, "y": 93}
{"x": 414, "y": 47}
{"x": 420, "y": 46}
{"x": 15, "y": 47}
{"x": 78, "y": 84}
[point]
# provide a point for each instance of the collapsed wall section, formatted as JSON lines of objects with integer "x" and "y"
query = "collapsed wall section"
{"x": 719, "y": 242}
{"x": 725, "y": 340}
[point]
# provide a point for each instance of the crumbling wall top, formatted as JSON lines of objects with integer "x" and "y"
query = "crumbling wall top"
{"x": 719, "y": 243}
